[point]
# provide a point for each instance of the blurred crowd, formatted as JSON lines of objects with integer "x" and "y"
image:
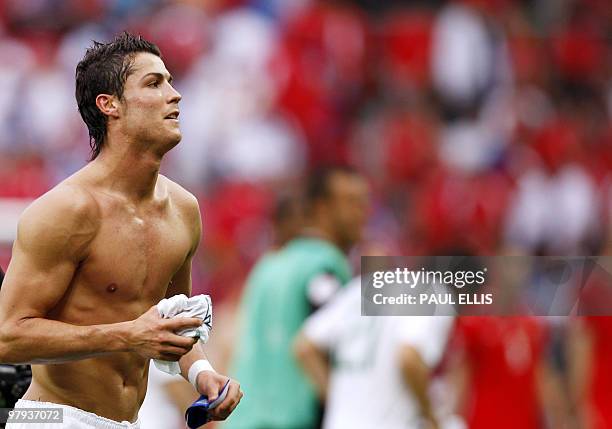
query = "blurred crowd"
{"x": 482, "y": 126}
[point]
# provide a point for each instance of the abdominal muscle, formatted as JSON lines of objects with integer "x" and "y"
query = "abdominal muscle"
{"x": 112, "y": 386}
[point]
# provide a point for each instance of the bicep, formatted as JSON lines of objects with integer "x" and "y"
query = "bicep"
{"x": 181, "y": 281}
{"x": 45, "y": 256}
{"x": 32, "y": 288}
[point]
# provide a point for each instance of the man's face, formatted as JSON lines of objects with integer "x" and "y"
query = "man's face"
{"x": 149, "y": 108}
{"x": 348, "y": 206}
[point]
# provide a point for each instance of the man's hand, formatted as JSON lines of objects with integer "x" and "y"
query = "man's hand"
{"x": 154, "y": 337}
{"x": 210, "y": 384}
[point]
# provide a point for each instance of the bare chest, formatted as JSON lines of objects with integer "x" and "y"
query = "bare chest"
{"x": 134, "y": 257}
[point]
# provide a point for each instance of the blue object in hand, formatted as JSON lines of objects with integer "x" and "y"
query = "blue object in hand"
{"x": 197, "y": 414}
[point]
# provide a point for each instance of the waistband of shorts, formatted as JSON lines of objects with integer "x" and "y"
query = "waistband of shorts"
{"x": 81, "y": 415}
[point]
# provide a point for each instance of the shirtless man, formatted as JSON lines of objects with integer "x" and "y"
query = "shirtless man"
{"x": 96, "y": 253}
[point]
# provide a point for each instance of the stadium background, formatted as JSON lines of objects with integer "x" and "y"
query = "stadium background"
{"x": 482, "y": 125}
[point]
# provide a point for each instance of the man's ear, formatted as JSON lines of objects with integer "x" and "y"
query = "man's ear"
{"x": 108, "y": 105}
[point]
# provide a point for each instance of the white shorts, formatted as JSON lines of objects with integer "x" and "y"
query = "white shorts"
{"x": 73, "y": 418}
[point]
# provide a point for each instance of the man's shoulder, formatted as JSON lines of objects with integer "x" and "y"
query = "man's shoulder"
{"x": 185, "y": 201}
{"x": 179, "y": 195}
{"x": 66, "y": 202}
{"x": 67, "y": 215}
{"x": 316, "y": 251}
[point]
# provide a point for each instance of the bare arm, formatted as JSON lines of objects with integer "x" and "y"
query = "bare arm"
{"x": 552, "y": 396}
{"x": 53, "y": 238}
{"x": 181, "y": 284}
{"x": 315, "y": 363}
{"x": 416, "y": 375}
{"x": 208, "y": 383}
{"x": 181, "y": 281}
{"x": 459, "y": 375}
{"x": 580, "y": 369}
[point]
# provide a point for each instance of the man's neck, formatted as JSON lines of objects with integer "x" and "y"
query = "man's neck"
{"x": 129, "y": 172}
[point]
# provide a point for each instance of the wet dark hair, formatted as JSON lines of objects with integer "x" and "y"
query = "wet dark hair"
{"x": 104, "y": 70}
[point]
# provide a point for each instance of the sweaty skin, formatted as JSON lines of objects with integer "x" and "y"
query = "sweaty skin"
{"x": 96, "y": 253}
{"x": 113, "y": 261}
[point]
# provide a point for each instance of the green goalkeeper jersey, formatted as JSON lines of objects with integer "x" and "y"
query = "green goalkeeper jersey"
{"x": 282, "y": 290}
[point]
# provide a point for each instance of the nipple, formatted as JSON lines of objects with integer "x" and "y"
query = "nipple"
{"x": 111, "y": 288}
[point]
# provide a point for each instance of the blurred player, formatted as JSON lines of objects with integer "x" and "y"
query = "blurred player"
{"x": 288, "y": 220}
{"x": 282, "y": 290}
{"x": 590, "y": 348}
{"x": 590, "y": 371}
{"x": 499, "y": 365}
{"x": 372, "y": 371}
